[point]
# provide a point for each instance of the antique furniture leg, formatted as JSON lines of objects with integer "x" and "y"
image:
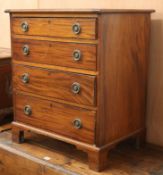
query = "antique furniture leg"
{"x": 98, "y": 160}
{"x": 140, "y": 139}
{"x": 17, "y": 135}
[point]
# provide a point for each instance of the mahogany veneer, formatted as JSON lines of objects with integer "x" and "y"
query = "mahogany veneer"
{"x": 80, "y": 76}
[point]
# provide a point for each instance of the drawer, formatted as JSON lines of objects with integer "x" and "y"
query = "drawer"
{"x": 84, "y": 28}
{"x": 76, "y": 123}
{"x": 72, "y": 55}
{"x": 72, "y": 87}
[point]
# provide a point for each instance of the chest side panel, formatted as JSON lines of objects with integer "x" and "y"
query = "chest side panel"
{"x": 121, "y": 83}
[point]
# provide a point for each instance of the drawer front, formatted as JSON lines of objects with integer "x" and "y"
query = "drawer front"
{"x": 81, "y": 56}
{"x": 55, "y": 27}
{"x": 66, "y": 120}
{"x": 72, "y": 87}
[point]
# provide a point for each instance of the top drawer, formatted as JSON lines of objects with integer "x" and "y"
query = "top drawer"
{"x": 55, "y": 27}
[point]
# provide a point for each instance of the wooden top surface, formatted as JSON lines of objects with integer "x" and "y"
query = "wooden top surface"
{"x": 5, "y": 53}
{"x": 80, "y": 11}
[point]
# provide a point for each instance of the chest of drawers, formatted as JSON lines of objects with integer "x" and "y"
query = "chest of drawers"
{"x": 80, "y": 76}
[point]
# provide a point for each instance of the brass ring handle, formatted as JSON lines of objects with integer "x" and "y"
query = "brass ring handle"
{"x": 25, "y": 78}
{"x": 76, "y": 28}
{"x": 77, "y": 55}
{"x": 75, "y": 88}
{"x": 77, "y": 124}
{"x": 25, "y": 50}
{"x": 27, "y": 110}
{"x": 24, "y": 26}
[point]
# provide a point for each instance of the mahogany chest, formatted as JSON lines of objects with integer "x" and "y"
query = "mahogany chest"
{"x": 5, "y": 83}
{"x": 79, "y": 76}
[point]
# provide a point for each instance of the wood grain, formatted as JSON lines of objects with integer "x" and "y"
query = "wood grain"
{"x": 55, "y": 53}
{"x": 65, "y": 40}
{"x": 122, "y": 78}
{"x": 20, "y": 127}
{"x": 59, "y": 68}
{"x": 56, "y": 27}
{"x": 116, "y": 89}
{"x": 94, "y": 108}
{"x": 50, "y": 116}
{"x": 76, "y": 11}
{"x": 66, "y": 159}
{"x": 56, "y": 84}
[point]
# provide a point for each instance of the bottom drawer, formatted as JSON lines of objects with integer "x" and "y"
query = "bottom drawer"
{"x": 70, "y": 121}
